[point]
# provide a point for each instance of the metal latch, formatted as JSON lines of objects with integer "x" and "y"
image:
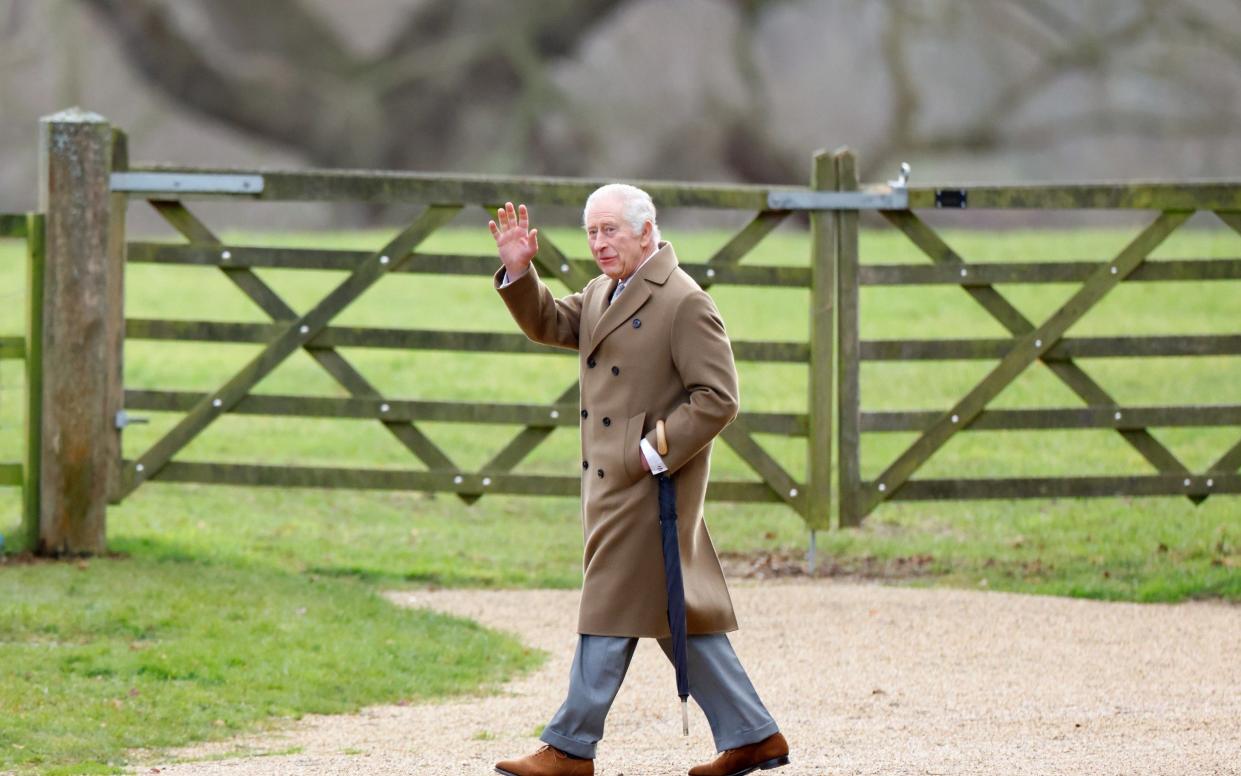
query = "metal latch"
{"x": 951, "y": 198}
{"x": 124, "y": 419}
{"x": 902, "y": 181}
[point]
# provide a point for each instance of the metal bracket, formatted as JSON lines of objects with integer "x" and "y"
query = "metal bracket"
{"x": 902, "y": 181}
{"x": 185, "y": 183}
{"x": 957, "y": 198}
{"x": 894, "y": 199}
{"x": 124, "y": 419}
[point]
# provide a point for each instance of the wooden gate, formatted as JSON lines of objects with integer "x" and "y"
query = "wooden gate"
{"x": 170, "y": 191}
{"x": 1031, "y": 342}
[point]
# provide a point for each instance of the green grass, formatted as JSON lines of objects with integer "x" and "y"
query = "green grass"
{"x": 168, "y": 646}
{"x": 213, "y": 576}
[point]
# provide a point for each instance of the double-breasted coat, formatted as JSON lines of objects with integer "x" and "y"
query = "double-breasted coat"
{"x": 659, "y": 351}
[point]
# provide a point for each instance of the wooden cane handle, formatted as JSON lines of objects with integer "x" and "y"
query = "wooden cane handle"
{"x": 661, "y": 438}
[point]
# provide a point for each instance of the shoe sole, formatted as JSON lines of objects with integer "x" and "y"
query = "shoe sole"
{"x": 765, "y": 765}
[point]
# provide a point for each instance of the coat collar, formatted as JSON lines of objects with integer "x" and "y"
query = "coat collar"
{"x": 655, "y": 271}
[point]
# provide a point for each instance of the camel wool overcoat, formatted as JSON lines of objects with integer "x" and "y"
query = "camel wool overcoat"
{"x": 659, "y": 351}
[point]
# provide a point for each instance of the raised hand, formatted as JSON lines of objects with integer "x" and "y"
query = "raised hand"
{"x": 515, "y": 240}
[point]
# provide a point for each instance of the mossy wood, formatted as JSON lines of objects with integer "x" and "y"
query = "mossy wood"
{"x": 322, "y": 342}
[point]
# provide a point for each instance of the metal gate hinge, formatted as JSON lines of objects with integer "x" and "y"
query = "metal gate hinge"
{"x": 124, "y": 419}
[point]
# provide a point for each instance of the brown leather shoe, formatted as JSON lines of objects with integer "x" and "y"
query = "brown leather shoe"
{"x": 771, "y": 752}
{"x": 548, "y": 761}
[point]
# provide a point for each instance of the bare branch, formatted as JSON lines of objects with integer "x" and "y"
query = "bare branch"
{"x": 171, "y": 62}
{"x": 906, "y": 104}
{"x": 13, "y": 20}
{"x": 1087, "y": 50}
{"x": 1009, "y": 21}
{"x": 552, "y": 28}
{"x": 286, "y": 28}
{"x": 1052, "y": 18}
{"x": 1200, "y": 29}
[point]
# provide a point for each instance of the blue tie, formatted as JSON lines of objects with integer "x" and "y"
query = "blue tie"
{"x": 619, "y": 287}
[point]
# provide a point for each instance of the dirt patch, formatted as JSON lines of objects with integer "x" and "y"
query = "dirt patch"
{"x": 30, "y": 559}
{"x": 788, "y": 564}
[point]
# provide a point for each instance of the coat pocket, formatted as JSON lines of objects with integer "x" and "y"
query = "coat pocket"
{"x": 633, "y": 440}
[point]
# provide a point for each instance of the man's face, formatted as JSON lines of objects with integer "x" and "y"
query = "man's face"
{"x": 617, "y": 250}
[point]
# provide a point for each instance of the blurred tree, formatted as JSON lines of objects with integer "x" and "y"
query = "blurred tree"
{"x": 1147, "y": 40}
{"x": 533, "y": 86}
{"x": 278, "y": 71}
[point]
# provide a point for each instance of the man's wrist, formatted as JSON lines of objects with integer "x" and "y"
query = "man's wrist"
{"x": 511, "y": 279}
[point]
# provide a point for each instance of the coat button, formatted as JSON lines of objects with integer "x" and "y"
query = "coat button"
{"x": 590, "y": 362}
{"x": 616, "y": 370}
{"x": 637, "y": 324}
{"x": 607, "y": 421}
{"x": 585, "y": 465}
{"x": 599, "y": 472}
{"x": 584, "y": 413}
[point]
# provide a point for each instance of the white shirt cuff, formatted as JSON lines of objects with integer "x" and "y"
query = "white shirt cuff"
{"x": 657, "y": 464}
{"x": 508, "y": 280}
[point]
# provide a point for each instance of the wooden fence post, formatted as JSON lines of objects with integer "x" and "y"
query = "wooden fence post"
{"x": 78, "y": 372}
{"x": 822, "y": 353}
{"x": 849, "y": 417}
{"x": 34, "y": 379}
{"x": 114, "y": 310}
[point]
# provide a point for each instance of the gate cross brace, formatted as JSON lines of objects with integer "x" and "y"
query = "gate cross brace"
{"x": 1029, "y": 346}
{"x": 1010, "y": 318}
{"x": 181, "y": 219}
{"x": 295, "y": 336}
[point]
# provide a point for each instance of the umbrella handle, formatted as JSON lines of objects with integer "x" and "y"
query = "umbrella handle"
{"x": 661, "y": 438}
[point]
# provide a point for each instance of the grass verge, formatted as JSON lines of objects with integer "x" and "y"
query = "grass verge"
{"x": 164, "y": 648}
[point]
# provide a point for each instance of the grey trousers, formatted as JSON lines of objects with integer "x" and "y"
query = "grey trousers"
{"x": 717, "y": 683}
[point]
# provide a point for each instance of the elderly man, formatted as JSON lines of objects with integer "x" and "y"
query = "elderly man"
{"x": 651, "y": 346}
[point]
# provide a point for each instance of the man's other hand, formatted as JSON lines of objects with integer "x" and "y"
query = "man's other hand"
{"x": 515, "y": 240}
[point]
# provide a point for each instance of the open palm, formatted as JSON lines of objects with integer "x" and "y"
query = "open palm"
{"x": 515, "y": 240}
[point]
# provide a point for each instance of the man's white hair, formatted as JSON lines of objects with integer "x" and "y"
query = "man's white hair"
{"x": 637, "y": 207}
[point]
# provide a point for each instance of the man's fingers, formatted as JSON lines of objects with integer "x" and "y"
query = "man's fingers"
{"x": 495, "y": 230}
{"x": 523, "y": 217}
{"x": 511, "y": 212}
{"x": 502, "y": 218}
{"x": 534, "y": 240}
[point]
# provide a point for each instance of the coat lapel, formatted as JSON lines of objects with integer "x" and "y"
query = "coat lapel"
{"x": 636, "y": 292}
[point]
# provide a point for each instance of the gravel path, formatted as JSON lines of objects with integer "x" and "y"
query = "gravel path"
{"x": 863, "y": 679}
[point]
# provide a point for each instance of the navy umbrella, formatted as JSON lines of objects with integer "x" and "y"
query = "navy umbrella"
{"x": 676, "y": 591}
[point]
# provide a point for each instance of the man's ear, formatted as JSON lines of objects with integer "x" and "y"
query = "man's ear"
{"x": 648, "y": 229}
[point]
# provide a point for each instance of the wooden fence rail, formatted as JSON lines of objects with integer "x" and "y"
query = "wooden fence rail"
{"x": 312, "y": 332}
